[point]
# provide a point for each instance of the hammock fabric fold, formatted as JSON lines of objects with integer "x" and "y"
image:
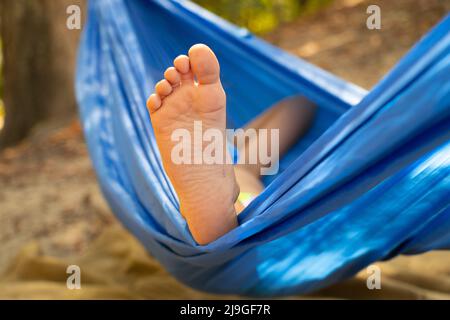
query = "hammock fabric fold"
{"x": 369, "y": 181}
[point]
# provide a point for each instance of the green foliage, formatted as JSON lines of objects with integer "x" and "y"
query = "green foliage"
{"x": 261, "y": 16}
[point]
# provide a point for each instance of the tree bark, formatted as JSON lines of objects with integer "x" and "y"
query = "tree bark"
{"x": 39, "y": 54}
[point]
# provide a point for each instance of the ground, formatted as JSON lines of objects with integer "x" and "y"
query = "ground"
{"x": 48, "y": 190}
{"x": 338, "y": 40}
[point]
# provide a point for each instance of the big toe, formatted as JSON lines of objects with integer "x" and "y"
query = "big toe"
{"x": 204, "y": 64}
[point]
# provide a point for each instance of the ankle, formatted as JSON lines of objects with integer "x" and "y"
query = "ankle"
{"x": 207, "y": 224}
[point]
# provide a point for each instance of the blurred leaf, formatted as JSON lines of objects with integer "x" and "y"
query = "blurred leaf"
{"x": 262, "y": 16}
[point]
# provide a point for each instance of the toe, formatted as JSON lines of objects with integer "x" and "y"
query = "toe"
{"x": 182, "y": 64}
{"x": 153, "y": 102}
{"x": 163, "y": 88}
{"x": 173, "y": 76}
{"x": 204, "y": 64}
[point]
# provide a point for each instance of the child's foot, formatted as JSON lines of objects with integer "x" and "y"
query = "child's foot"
{"x": 191, "y": 91}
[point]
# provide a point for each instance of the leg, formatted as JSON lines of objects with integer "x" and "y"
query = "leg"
{"x": 207, "y": 192}
{"x": 249, "y": 183}
{"x": 292, "y": 116}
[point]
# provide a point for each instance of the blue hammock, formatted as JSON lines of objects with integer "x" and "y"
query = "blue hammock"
{"x": 370, "y": 180}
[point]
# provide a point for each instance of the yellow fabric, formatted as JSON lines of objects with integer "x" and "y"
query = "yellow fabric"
{"x": 116, "y": 266}
{"x": 245, "y": 198}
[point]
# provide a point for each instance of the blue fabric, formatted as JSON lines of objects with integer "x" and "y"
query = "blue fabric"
{"x": 370, "y": 180}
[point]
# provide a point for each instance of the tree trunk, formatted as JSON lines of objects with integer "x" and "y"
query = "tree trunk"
{"x": 38, "y": 64}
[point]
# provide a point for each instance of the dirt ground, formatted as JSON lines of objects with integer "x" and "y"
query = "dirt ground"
{"x": 338, "y": 40}
{"x": 48, "y": 190}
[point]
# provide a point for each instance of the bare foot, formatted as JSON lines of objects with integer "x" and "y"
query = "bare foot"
{"x": 191, "y": 91}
